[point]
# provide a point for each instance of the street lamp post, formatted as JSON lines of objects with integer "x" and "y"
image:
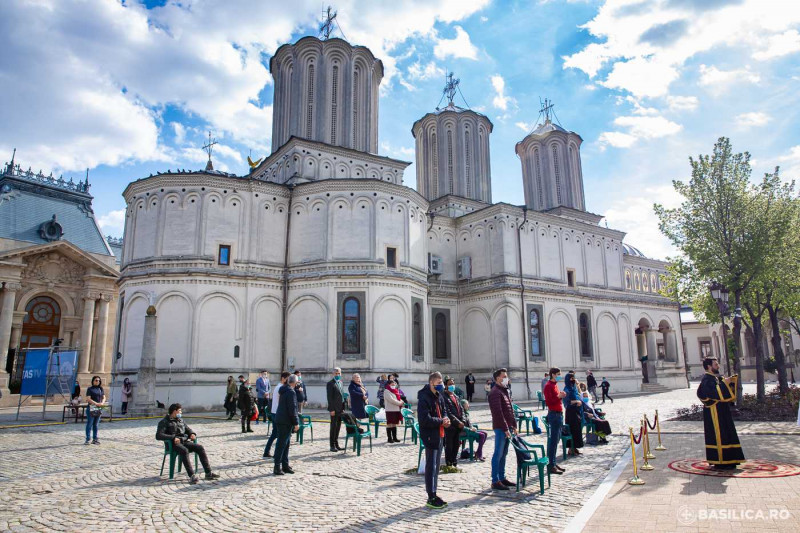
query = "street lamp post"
{"x": 720, "y": 295}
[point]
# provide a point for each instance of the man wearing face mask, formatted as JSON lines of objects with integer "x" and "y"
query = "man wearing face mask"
{"x": 504, "y": 424}
{"x": 455, "y": 412}
{"x": 263, "y": 391}
{"x": 172, "y": 428}
{"x": 555, "y": 419}
{"x": 335, "y": 392}
{"x": 433, "y": 421}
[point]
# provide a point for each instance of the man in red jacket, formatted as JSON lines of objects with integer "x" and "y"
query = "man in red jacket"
{"x": 555, "y": 419}
{"x": 504, "y": 424}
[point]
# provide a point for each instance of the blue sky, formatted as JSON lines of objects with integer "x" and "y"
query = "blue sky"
{"x": 127, "y": 89}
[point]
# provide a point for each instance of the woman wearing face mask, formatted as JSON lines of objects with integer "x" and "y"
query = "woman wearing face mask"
{"x": 127, "y": 393}
{"x": 358, "y": 397}
{"x": 393, "y": 403}
{"x": 455, "y": 412}
{"x": 574, "y": 415}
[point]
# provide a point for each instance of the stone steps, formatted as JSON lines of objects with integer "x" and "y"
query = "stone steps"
{"x": 654, "y": 388}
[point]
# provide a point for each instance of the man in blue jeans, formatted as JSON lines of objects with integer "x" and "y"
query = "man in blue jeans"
{"x": 504, "y": 424}
{"x": 555, "y": 419}
{"x": 433, "y": 420}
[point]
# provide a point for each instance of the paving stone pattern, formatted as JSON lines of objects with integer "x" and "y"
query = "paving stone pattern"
{"x": 50, "y": 481}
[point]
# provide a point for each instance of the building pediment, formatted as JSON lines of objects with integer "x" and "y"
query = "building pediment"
{"x": 57, "y": 262}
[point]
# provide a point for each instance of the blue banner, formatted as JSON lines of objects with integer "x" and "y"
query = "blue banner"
{"x": 62, "y": 373}
{"x": 34, "y": 374}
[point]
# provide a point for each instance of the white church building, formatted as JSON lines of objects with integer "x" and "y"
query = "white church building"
{"x": 322, "y": 257}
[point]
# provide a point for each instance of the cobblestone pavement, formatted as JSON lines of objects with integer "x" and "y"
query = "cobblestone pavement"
{"x": 50, "y": 481}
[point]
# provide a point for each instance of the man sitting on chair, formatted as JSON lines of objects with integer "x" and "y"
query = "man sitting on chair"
{"x": 172, "y": 428}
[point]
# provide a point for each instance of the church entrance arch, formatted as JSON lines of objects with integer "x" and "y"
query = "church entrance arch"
{"x": 41, "y": 324}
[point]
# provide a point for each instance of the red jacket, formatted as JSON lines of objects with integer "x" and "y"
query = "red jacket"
{"x": 502, "y": 412}
{"x": 551, "y": 397}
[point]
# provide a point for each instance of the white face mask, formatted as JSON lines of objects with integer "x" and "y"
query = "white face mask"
{"x": 504, "y": 382}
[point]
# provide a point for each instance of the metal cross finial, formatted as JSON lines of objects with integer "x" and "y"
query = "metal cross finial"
{"x": 450, "y": 88}
{"x": 209, "y": 148}
{"x": 547, "y": 108}
{"x": 326, "y": 28}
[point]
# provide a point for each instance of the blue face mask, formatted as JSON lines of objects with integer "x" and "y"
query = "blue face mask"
{"x": 337, "y": 378}
{"x": 439, "y": 387}
{"x": 179, "y": 415}
{"x": 451, "y": 388}
{"x": 559, "y": 378}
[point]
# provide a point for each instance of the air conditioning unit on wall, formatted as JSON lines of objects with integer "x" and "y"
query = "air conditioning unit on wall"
{"x": 464, "y": 268}
{"x": 435, "y": 265}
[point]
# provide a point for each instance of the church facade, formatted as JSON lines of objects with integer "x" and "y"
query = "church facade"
{"x": 322, "y": 257}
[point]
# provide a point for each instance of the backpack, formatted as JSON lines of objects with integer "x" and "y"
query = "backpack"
{"x": 520, "y": 445}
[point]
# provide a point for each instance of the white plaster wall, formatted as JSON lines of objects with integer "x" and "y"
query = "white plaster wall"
{"x": 174, "y": 334}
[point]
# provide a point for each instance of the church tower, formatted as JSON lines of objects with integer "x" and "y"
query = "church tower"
{"x": 326, "y": 91}
{"x": 551, "y": 166}
{"x": 452, "y": 147}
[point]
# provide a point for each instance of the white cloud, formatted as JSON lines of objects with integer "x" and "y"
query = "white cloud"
{"x": 634, "y": 215}
{"x": 113, "y": 222}
{"x": 755, "y": 118}
{"x": 780, "y": 45}
{"x": 401, "y": 152}
{"x": 791, "y": 164}
{"x": 682, "y": 103}
{"x": 500, "y": 100}
{"x": 180, "y": 132}
{"x": 639, "y": 127}
{"x": 525, "y": 126}
{"x": 418, "y": 71}
{"x": 646, "y": 45}
{"x": 723, "y": 79}
{"x": 459, "y": 47}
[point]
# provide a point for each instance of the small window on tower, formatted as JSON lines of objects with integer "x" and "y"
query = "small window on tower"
{"x": 224, "y": 254}
{"x": 570, "y": 277}
{"x": 391, "y": 257}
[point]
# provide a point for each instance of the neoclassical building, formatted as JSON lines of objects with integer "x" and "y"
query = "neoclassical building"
{"x": 321, "y": 256}
{"x": 58, "y": 275}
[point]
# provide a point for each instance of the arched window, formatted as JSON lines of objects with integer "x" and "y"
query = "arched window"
{"x": 41, "y": 323}
{"x": 334, "y": 102}
{"x": 585, "y": 335}
{"x": 310, "y": 102}
{"x": 450, "y": 161}
{"x": 536, "y": 349}
{"x": 440, "y": 327}
{"x": 557, "y": 174}
{"x": 351, "y": 334}
{"x": 416, "y": 333}
{"x": 435, "y": 166}
{"x": 468, "y": 163}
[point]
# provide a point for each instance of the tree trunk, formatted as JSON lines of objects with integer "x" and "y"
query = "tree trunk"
{"x": 737, "y": 339}
{"x": 777, "y": 347}
{"x": 758, "y": 331}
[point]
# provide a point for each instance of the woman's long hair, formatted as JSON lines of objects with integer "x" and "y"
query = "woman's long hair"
{"x": 98, "y": 379}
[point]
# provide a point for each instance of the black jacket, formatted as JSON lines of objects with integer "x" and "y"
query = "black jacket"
{"x": 590, "y": 381}
{"x": 300, "y": 390}
{"x": 170, "y": 428}
{"x": 431, "y": 409}
{"x": 454, "y": 410}
{"x": 335, "y": 398}
{"x": 287, "y": 407}
{"x": 605, "y": 385}
{"x": 245, "y": 399}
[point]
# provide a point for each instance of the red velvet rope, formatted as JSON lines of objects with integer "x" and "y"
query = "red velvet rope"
{"x": 653, "y": 425}
{"x": 639, "y": 439}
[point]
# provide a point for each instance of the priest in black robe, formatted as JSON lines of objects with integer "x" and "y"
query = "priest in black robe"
{"x": 723, "y": 449}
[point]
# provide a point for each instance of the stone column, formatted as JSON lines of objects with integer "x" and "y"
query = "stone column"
{"x": 99, "y": 363}
{"x": 6, "y": 319}
{"x": 144, "y": 397}
{"x": 652, "y": 351}
{"x": 672, "y": 347}
{"x": 89, "y": 300}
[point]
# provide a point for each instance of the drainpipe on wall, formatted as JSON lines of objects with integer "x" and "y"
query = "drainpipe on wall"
{"x": 285, "y": 306}
{"x": 522, "y": 300}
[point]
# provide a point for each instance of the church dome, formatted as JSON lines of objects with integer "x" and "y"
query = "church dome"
{"x": 627, "y": 249}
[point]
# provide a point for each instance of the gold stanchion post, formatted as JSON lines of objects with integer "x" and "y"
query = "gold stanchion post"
{"x": 635, "y": 480}
{"x": 646, "y": 447}
{"x": 648, "y": 454}
{"x": 660, "y": 446}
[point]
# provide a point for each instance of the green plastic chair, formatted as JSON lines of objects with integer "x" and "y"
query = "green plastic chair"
{"x": 524, "y": 415}
{"x": 371, "y": 412}
{"x": 523, "y": 467}
{"x": 409, "y": 423}
{"x": 305, "y": 422}
{"x": 173, "y": 455}
{"x": 421, "y": 445}
{"x": 539, "y": 396}
{"x": 357, "y": 436}
{"x": 589, "y": 425}
{"x": 564, "y": 439}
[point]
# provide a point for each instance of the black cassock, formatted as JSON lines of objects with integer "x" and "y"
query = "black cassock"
{"x": 722, "y": 442}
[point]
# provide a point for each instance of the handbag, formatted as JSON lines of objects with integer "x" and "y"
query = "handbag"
{"x": 95, "y": 411}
